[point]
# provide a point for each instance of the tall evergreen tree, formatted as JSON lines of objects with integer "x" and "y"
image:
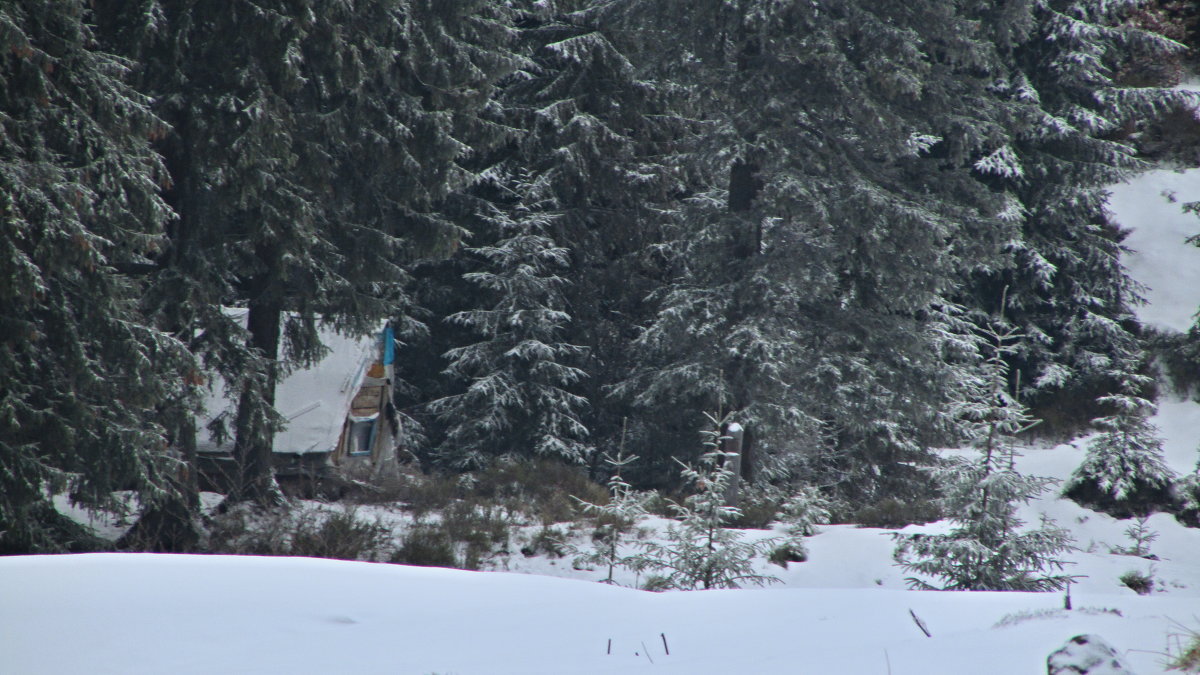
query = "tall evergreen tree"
{"x": 516, "y": 399}
{"x": 1067, "y": 289}
{"x": 839, "y": 207}
{"x": 588, "y": 157}
{"x": 81, "y": 374}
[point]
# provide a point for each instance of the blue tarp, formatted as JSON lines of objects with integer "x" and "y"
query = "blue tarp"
{"x": 389, "y": 345}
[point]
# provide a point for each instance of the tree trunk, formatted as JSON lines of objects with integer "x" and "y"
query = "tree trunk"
{"x": 173, "y": 526}
{"x": 748, "y": 457}
{"x": 732, "y": 444}
{"x": 254, "y": 445}
{"x": 744, "y": 186}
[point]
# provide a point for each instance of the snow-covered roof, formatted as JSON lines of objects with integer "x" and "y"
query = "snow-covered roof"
{"x": 314, "y": 401}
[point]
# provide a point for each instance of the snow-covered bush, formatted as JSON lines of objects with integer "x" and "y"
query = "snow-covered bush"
{"x": 892, "y": 513}
{"x": 987, "y": 549}
{"x": 760, "y": 504}
{"x": 614, "y": 521}
{"x": 699, "y": 551}
{"x": 1141, "y": 536}
{"x": 1124, "y": 473}
{"x": 1141, "y": 583}
{"x": 301, "y": 530}
{"x": 791, "y": 550}
{"x": 1187, "y": 492}
{"x": 804, "y": 510}
{"x": 426, "y": 546}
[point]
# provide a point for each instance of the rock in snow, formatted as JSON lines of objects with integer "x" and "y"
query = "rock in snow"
{"x": 1086, "y": 655}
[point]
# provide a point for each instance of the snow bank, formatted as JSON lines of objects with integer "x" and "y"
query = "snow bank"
{"x": 138, "y": 613}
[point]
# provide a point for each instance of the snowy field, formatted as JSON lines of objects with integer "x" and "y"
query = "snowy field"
{"x": 114, "y": 613}
{"x": 844, "y": 611}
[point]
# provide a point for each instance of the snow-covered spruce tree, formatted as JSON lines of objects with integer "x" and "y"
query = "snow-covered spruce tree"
{"x": 309, "y": 156}
{"x": 698, "y": 551}
{"x": 800, "y": 515}
{"x": 803, "y": 511}
{"x": 82, "y": 374}
{"x": 1059, "y": 152}
{"x": 837, "y": 207}
{"x": 593, "y": 137}
{"x": 1187, "y": 494}
{"x": 614, "y": 520}
{"x": 604, "y": 136}
{"x": 987, "y": 549}
{"x": 1124, "y": 473}
{"x": 515, "y": 398}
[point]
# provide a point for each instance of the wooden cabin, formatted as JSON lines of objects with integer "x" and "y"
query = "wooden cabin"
{"x": 338, "y": 412}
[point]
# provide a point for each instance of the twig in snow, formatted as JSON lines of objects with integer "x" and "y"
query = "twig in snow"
{"x": 920, "y": 623}
{"x": 647, "y": 652}
{"x": 665, "y": 647}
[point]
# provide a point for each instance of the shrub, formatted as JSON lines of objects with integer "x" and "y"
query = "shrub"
{"x": 548, "y": 540}
{"x": 542, "y": 490}
{"x": 1142, "y": 583}
{"x": 424, "y": 494}
{"x": 427, "y": 547}
{"x": 894, "y": 514}
{"x": 699, "y": 552}
{"x": 1188, "y": 500}
{"x": 462, "y": 535}
{"x": 244, "y": 530}
{"x": 479, "y": 530}
{"x": 760, "y": 506}
{"x": 792, "y": 550}
{"x": 340, "y": 535}
{"x": 1188, "y": 658}
{"x": 315, "y": 533}
{"x": 804, "y": 510}
{"x": 657, "y": 583}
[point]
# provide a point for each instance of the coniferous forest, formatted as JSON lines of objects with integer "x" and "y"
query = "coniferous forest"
{"x": 858, "y": 229}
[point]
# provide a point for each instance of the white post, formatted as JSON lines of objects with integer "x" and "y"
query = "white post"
{"x": 732, "y": 443}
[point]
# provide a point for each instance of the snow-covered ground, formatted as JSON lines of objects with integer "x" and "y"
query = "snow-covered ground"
{"x": 844, "y": 611}
{"x": 137, "y": 613}
{"x": 1150, "y": 205}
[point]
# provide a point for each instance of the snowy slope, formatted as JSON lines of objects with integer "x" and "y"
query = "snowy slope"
{"x": 1160, "y": 259}
{"x": 114, "y": 613}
